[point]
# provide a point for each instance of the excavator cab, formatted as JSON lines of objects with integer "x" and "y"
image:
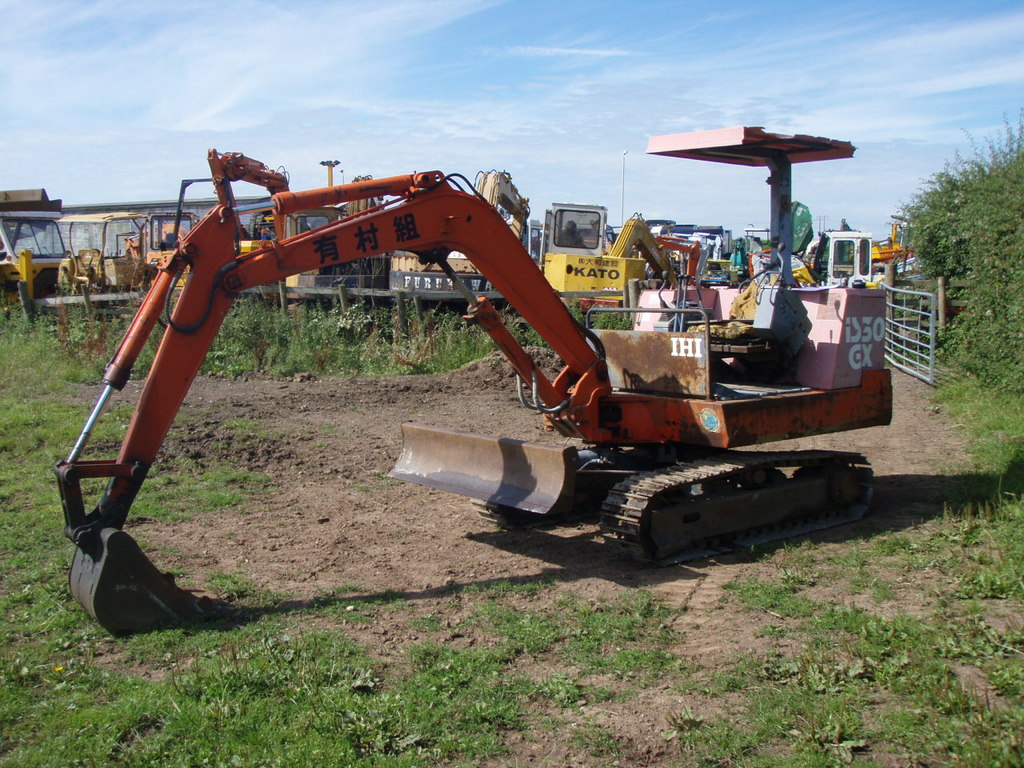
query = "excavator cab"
{"x": 844, "y": 257}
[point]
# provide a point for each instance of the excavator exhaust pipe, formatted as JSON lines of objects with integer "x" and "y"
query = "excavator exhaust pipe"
{"x": 121, "y": 588}
{"x": 531, "y": 477}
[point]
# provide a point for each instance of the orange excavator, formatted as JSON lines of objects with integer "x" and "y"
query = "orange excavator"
{"x": 652, "y": 418}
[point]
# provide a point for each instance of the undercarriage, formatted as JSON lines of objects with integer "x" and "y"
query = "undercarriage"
{"x": 707, "y": 505}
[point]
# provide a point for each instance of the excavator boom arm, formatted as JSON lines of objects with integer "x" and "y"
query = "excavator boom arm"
{"x": 637, "y": 234}
{"x": 110, "y": 576}
{"x": 227, "y": 167}
{"x": 428, "y": 216}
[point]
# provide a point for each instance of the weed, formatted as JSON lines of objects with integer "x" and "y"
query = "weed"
{"x": 830, "y": 732}
{"x": 528, "y": 589}
{"x": 432, "y": 622}
{"x": 561, "y": 689}
{"x": 1007, "y": 676}
{"x": 882, "y": 590}
{"x": 771, "y": 630}
{"x": 598, "y": 741}
{"x": 231, "y": 586}
{"x": 895, "y": 545}
{"x": 682, "y": 723}
{"x": 779, "y": 599}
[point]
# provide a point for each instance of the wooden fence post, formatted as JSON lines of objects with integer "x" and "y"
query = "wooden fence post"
{"x": 88, "y": 301}
{"x": 631, "y": 297}
{"x": 27, "y": 307}
{"x": 343, "y": 298}
{"x": 940, "y": 298}
{"x": 401, "y": 321}
{"x": 282, "y": 294}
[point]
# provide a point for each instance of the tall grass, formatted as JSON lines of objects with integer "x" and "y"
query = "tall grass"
{"x": 67, "y": 351}
{"x": 994, "y": 423}
{"x": 258, "y": 337}
{"x": 988, "y": 513}
{"x": 330, "y": 341}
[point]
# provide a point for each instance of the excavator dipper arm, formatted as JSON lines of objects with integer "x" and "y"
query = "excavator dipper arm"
{"x": 110, "y": 576}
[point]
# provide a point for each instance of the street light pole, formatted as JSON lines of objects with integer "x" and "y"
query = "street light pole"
{"x": 622, "y": 190}
{"x": 330, "y": 165}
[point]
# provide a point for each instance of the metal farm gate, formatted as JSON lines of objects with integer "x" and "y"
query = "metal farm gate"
{"x": 911, "y": 321}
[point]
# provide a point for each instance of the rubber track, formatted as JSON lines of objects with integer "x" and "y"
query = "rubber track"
{"x": 625, "y": 505}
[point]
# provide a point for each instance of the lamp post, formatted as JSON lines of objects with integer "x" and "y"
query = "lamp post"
{"x": 330, "y": 165}
{"x": 622, "y": 190}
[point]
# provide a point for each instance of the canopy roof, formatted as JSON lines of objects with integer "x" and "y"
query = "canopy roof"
{"x": 746, "y": 145}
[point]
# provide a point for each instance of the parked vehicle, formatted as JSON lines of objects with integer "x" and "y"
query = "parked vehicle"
{"x": 31, "y": 247}
{"x": 117, "y": 250}
{"x": 843, "y": 257}
{"x": 652, "y": 420}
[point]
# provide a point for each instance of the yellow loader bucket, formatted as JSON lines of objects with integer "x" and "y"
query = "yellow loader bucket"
{"x": 512, "y": 473}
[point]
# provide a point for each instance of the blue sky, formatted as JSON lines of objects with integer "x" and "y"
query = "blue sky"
{"x": 117, "y": 100}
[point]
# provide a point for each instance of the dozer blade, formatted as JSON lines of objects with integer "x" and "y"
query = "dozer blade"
{"x": 118, "y": 585}
{"x": 503, "y": 472}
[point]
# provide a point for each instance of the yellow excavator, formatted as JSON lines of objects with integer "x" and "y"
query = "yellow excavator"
{"x": 578, "y": 258}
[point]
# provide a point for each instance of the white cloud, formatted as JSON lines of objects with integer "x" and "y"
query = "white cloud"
{"x": 222, "y": 66}
{"x": 533, "y": 51}
{"x": 117, "y": 99}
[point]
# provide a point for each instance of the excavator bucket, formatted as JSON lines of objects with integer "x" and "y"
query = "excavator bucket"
{"x": 121, "y": 588}
{"x": 531, "y": 477}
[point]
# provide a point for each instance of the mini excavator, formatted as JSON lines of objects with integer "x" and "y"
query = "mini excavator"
{"x": 652, "y": 418}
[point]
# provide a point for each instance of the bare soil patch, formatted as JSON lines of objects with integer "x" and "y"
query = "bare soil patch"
{"x": 337, "y": 528}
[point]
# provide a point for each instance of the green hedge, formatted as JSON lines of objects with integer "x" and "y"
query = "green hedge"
{"x": 968, "y": 221}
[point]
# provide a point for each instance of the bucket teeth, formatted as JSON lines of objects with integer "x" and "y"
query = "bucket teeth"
{"x": 121, "y": 588}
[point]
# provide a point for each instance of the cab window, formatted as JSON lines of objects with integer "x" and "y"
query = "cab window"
{"x": 578, "y": 229}
{"x": 161, "y": 231}
{"x": 307, "y": 221}
{"x": 842, "y": 259}
{"x": 864, "y": 258}
{"x": 41, "y": 236}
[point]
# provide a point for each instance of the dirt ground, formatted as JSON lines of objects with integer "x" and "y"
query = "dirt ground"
{"x": 336, "y": 524}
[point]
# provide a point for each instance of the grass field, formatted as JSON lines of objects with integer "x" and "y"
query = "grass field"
{"x": 294, "y": 689}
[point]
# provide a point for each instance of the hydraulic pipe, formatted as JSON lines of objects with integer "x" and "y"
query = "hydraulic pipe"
{"x": 119, "y": 368}
{"x": 460, "y": 286}
{"x": 83, "y": 438}
{"x": 290, "y": 202}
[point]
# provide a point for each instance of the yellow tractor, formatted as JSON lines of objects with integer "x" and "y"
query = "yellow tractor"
{"x": 31, "y": 247}
{"x": 116, "y": 250}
